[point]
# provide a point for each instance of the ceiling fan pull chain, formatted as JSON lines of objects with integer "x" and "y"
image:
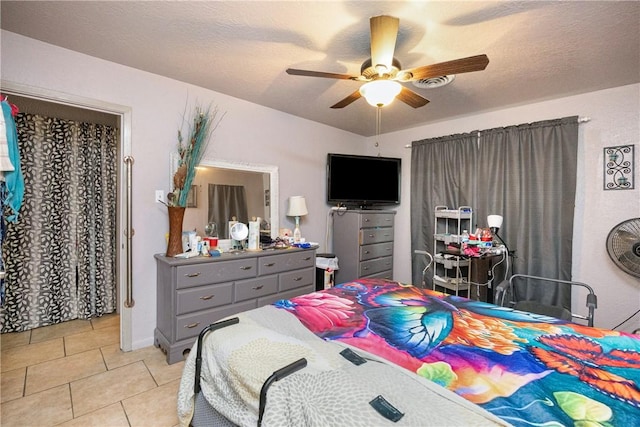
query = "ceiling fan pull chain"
{"x": 378, "y": 120}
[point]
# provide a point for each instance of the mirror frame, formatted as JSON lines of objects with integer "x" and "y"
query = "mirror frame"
{"x": 274, "y": 200}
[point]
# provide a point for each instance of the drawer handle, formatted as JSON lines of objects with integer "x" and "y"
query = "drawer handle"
{"x": 257, "y": 288}
{"x": 246, "y": 267}
{"x": 192, "y": 325}
{"x": 297, "y": 279}
{"x": 307, "y": 258}
{"x": 367, "y": 252}
{"x": 388, "y": 249}
{"x": 207, "y": 297}
{"x": 371, "y": 235}
{"x": 366, "y": 220}
{"x": 192, "y": 274}
{"x": 270, "y": 264}
{"x": 365, "y": 268}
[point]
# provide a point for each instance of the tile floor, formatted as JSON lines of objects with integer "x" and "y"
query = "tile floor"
{"x": 74, "y": 374}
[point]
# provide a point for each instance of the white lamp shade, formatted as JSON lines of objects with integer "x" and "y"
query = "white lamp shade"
{"x": 297, "y": 206}
{"x": 380, "y": 92}
{"x": 494, "y": 221}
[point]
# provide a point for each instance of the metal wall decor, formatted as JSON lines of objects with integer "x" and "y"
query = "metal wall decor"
{"x": 618, "y": 168}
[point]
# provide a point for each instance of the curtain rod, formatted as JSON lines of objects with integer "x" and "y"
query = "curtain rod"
{"x": 580, "y": 120}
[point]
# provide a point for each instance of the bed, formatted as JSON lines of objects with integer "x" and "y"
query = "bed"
{"x": 430, "y": 359}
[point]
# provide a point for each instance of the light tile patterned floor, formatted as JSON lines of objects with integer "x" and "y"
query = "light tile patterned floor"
{"x": 74, "y": 374}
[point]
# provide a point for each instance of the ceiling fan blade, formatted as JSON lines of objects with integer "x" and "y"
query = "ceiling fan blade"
{"x": 457, "y": 66}
{"x": 348, "y": 100}
{"x": 411, "y": 98}
{"x": 384, "y": 32}
{"x": 307, "y": 73}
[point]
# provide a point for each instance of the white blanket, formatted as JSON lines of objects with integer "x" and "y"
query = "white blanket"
{"x": 329, "y": 391}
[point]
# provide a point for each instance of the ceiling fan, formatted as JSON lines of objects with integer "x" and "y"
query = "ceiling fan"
{"x": 383, "y": 72}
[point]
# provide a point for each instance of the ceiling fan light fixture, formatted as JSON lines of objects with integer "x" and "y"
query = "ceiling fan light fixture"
{"x": 380, "y": 93}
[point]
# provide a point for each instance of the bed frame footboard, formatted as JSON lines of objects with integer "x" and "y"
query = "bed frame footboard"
{"x": 275, "y": 376}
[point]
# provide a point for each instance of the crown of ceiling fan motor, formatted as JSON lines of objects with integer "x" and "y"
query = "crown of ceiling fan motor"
{"x": 371, "y": 73}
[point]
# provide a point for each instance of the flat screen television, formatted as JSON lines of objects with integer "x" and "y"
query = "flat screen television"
{"x": 362, "y": 181}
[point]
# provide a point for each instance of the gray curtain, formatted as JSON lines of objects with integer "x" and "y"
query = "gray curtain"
{"x": 529, "y": 177}
{"x": 525, "y": 173}
{"x": 443, "y": 173}
{"x": 61, "y": 255}
{"x": 226, "y": 202}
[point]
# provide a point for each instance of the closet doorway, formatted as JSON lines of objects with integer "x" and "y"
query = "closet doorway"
{"x": 85, "y": 272}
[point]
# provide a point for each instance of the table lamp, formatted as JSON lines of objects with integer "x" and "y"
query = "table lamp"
{"x": 494, "y": 222}
{"x": 297, "y": 208}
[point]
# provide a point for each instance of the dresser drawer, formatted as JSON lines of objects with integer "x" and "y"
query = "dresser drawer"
{"x": 373, "y": 266}
{"x": 215, "y": 272}
{"x": 204, "y": 297}
{"x": 376, "y": 235}
{"x": 376, "y": 220}
{"x": 190, "y": 325}
{"x": 270, "y": 299}
{"x": 285, "y": 261}
{"x": 376, "y": 250}
{"x": 254, "y": 288}
{"x": 387, "y": 275}
{"x": 296, "y": 279}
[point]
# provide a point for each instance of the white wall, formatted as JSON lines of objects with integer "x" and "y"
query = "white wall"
{"x": 254, "y": 134}
{"x": 249, "y": 133}
{"x": 615, "y": 120}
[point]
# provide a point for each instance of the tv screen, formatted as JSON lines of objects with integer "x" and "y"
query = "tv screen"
{"x": 362, "y": 181}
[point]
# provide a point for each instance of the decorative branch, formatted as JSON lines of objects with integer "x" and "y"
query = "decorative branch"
{"x": 200, "y": 131}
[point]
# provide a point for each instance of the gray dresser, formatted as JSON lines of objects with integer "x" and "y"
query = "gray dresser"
{"x": 363, "y": 243}
{"x": 193, "y": 293}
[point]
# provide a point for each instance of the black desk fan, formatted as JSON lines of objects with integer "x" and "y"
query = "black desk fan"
{"x": 623, "y": 246}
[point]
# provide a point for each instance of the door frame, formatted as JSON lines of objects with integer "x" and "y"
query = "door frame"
{"x": 124, "y": 112}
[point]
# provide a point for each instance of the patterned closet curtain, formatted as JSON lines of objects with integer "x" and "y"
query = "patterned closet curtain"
{"x": 61, "y": 254}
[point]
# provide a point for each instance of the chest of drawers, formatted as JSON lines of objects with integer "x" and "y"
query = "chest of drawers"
{"x": 363, "y": 243}
{"x": 192, "y": 293}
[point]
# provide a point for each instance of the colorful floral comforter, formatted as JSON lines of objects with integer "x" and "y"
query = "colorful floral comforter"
{"x": 527, "y": 369}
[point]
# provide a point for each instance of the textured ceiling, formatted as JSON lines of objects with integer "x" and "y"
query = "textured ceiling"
{"x": 537, "y": 50}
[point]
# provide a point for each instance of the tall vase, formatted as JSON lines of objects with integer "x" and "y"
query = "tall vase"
{"x": 174, "y": 245}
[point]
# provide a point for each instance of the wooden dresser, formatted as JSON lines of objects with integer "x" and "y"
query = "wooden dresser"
{"x": 363, "y": 243}
{"x": 193, "y": 293}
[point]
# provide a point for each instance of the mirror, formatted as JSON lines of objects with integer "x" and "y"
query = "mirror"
{"x": 260, "y": 184}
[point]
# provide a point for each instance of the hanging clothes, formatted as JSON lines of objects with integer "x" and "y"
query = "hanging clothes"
{"x": 5, "y": 160}
{"x": 13, "y": 178}
{"x": 7, "y": 165}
